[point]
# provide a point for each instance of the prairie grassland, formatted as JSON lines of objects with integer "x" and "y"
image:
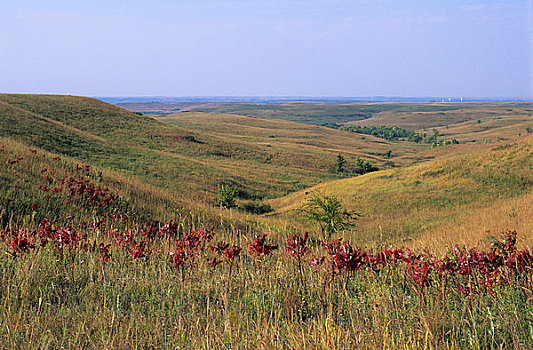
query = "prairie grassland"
{"x": 187, "y": 159}
{"x": 318, "y": 113}
{"x": 474, "y": 228}
{"x": 489, "y": 129}
{"x": 440, "y": 116}
{"x": 95, "y": 280}
{"x": 105, "y": 243}
{"x": 291, "y": 137}
{"x": 20, "y": 191}
{"x": 73, "y": 300}
{"x": 401, "y": 205}
{"x": 116, "y": 139}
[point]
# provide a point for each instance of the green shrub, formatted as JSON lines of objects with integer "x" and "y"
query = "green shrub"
{"x": 327, "y": 211}
{"x": 226, "y": 196}
{"x": 256, "y": 208}
{"x": 363, "y": 166}
{"x": 340, "y": 164}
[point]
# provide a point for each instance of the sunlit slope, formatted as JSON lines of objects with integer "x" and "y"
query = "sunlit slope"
{"x": 188, "y": 160}
{"x": 295, "y": 141}
{"x": 467, "y": 122}
{"x": 477, "y": 226}
{"x": 405, "y": 204}
{"x": 491, "y": 128}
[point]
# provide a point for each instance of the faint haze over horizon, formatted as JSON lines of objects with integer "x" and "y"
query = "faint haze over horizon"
{"x": 312, "y": 48}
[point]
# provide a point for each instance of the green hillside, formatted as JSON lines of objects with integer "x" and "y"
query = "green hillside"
{"x": 182, "y": 159}
{"x": 188, "y": 154}
{"x": 466, "y": 122}
{"x": 109, "y": 236}
{"x": 401, "y": 205}
{"x": 321, "y": 112}
{"x": 292, "y": 140}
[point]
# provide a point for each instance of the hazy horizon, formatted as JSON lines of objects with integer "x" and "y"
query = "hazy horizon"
{"x": 267, "y": 99}
{"x": 264, "y": 48}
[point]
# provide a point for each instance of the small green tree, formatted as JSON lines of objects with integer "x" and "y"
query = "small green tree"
{"x": 340, "y": 164}
{"x": 226, "y": 196}
{"x": 433, "y": 138}
{"x": 328, "y": 213}
{"x": 362, "y": 166}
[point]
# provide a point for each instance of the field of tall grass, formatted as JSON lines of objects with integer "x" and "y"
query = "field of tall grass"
{"x": 93, "y": 259}
{"x": 436, "y": 200}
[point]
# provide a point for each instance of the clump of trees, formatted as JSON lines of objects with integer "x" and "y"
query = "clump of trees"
{"x": 395, "y": 133}
{"x": 392, "y": 133}
{"x": 227, "y": 199}
{"x": 340, "y": 164}
{"x": 256, "y": 208}
{"x": 434, "y": 141}
{"x": 361, "y": 166}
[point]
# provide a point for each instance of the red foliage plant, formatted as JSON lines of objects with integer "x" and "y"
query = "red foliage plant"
{"x": 103, "y": 252}
{"x": 343, "y": 257}
{"x": 259, "y": 248}
{"x": 189, "y": 246}
{"x": 228, "y": 253}
{"x": 297, "y": 245}
{"x": 20, "y": 242}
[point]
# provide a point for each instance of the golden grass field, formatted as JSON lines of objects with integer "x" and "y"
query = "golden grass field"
{"x": 406, "y": 205}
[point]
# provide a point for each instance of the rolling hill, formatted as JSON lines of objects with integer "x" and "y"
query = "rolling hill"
{"x": 185, "y": 155}
{"x": 106, "y": 216}
{"x": 184, "y": 159}
{"x": 409, "y": 204}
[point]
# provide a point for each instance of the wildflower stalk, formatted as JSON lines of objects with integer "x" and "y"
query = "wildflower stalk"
{"x": 296, "y": 246}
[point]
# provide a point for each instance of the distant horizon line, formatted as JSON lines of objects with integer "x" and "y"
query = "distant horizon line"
{"x": 286, "y": 98}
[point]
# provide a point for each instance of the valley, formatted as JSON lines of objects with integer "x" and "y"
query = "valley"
{"x": 123, "y": 229}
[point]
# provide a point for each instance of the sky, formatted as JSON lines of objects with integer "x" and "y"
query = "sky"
{"x": 458, "y": 48}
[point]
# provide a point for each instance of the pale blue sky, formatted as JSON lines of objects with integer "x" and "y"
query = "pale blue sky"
{"x": 471, "y": 48}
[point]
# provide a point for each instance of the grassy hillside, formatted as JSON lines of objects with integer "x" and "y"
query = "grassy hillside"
{"x": 183, "y": 159}
{"x": 91, "y": 257}
{"x": 188, "y": 154}
{"x": 403, "y": 205}
{"x": 479, "y": 223}
{"x": 84, "y": 265}
{"x": 462, "y": 121}
{"x": 406, "y": 115}
{"x": 467, "y": 122}
{"x": 294, "y": 139}
{"x": 319, "y": 112}
{"x": 491, "y": 128}
{"x": 34, "y": 185}
{"x": 105, "y": 150}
